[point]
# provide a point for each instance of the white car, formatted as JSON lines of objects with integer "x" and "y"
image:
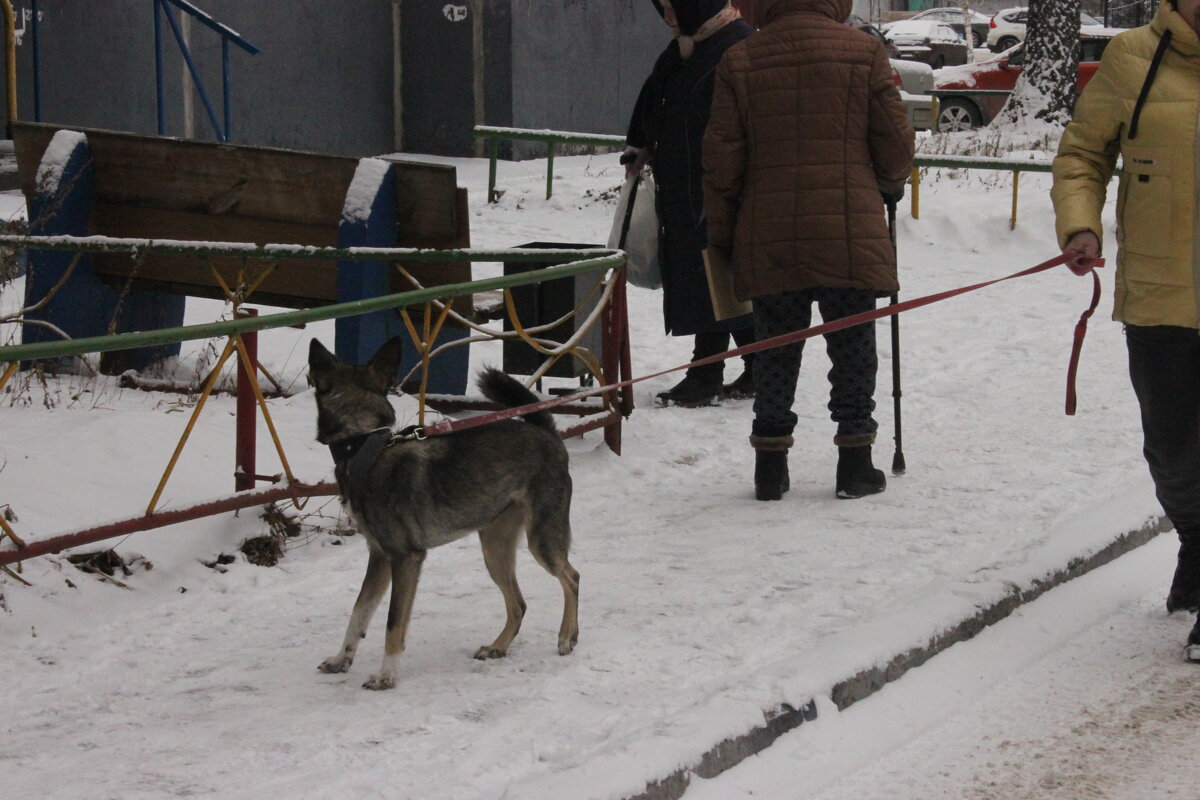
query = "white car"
{"x": 953, "y": 16}
{"x": 1008, "y": 27}
{"x": 935, "y": 43}
{"x": 914, "y": 79}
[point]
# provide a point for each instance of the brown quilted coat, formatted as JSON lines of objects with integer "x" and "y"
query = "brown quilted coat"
{"x": 806, "y": 130}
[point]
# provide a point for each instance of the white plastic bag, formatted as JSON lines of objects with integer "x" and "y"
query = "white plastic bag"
{"x": 636, "y": 232}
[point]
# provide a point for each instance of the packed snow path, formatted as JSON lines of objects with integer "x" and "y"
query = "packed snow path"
{"x": 701, "y": 608}
{"x": 1081, "y": 694}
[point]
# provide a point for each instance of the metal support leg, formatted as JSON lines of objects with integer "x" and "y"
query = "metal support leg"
{"x": 1012, "y": 222}
{"x": 493, "y": 157}
{"x": 247, "y": 416}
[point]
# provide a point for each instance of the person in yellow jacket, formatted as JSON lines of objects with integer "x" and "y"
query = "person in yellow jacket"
{"x": 1144, "y": 104}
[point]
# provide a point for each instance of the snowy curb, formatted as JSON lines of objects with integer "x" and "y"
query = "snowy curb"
{"x": 731, "y": 751}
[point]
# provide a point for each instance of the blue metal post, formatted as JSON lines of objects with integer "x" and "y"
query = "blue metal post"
{"x": 357, "y": 339}
{"x": 84, "y": 306}
{"x": 158, "y": 68}
{"x": 37, "y": 67}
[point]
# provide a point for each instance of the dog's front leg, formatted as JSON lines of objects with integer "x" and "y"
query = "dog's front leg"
{"x": 405, "y": 571}
{"x": 375, "y": 583}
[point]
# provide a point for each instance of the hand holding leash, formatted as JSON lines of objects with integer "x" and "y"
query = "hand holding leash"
{"x": 1083, "y": 252}
{"x": 634, "y": 158}
{"x": 1081, "y": 264}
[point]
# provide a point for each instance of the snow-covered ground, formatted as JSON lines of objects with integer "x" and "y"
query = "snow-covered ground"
{"x": 700, "y": 609}
{"x": 1080, "y": 694}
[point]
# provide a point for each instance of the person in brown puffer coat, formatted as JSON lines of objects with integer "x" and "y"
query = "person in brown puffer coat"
{"x": 807, "y": 131}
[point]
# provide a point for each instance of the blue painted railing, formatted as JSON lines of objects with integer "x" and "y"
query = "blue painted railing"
{"x": 163, "y": 8}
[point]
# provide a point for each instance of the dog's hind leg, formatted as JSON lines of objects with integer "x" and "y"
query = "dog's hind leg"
{"x": 549, "y": 534}
{"x": 406, "y": 570}
{"x": 375, "y": 583}
{"x": 499, "y": 541}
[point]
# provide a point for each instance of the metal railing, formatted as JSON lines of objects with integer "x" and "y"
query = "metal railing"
{"x": 1014, "y": 165}
{"x": 588, "y": 261}
{"x": 495, "y": 135}
{"x": 162, "y": 8}
{"x": 241, "y": 332}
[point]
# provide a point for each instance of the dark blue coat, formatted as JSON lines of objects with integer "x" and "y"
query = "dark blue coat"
{"x": 669, "y": 119}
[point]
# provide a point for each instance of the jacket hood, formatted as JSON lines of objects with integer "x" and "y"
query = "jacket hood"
{"x": 691, "y": 14}
{"x": 1183, "y": 37}
{"x": 837, "y": 10}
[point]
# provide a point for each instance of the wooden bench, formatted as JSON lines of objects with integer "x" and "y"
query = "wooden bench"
{"x": 127, "y": 185}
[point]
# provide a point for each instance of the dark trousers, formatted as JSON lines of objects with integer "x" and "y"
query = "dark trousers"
{"x": 713, "y": 342}
{"x": 852, "y": 351}
{"x": 1164, "y": 365}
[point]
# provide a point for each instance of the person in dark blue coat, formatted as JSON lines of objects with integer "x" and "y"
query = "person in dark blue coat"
{"x": 665, "y": 132}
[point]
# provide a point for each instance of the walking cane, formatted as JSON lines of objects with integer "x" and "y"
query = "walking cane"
{"x": 898, "y": 459}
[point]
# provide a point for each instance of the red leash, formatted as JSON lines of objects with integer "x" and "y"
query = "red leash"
{"x": 1080, "y": 331}
{"x": 450, "y": 426}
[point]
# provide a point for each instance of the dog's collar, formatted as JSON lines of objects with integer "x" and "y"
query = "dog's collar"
{"x": 359, "y": 452}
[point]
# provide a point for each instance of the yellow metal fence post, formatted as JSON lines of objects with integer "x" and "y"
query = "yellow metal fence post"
{"x": 1012, "y": 223}
{"x": 916, "y": 193}
{"x": 10, "y": 62}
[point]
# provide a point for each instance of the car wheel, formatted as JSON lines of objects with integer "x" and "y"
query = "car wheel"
{"x": 976, "y": 39}
{"x": 956, "y": 115}
{"x": 938, "y": 61}
{"x": 1007, "y": 42}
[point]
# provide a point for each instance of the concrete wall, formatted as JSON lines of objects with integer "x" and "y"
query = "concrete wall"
{"x": 578, "y": 65}
{"x": 323, "y": 81}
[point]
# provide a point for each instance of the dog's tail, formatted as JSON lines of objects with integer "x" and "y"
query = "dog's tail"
{"x": 501, "y": 388}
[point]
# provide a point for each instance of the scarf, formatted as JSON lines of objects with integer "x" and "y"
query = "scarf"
{"x": 687, "y": 43}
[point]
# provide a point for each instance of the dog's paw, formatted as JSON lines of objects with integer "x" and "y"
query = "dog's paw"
{"x": 567, "y": 646}
{"x": 489, "y": 651}
{"x": 380, "y": 680}
{"x": 334, "y": 664}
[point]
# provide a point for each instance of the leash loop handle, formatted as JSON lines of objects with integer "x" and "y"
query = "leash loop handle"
{"x": 1081, "y": 326}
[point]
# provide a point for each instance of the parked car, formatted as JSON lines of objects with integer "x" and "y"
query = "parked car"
{"x": 953, "y": 16}
{"x": 860, "y": 24}
{"x": 914, "y": 79}
{"x": 964, "y": 93}
{"x": 1007, "y": 27}
{"x": 935, "y": 43}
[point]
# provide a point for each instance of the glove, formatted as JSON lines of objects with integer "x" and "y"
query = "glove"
{"x": 1083, "y": 251}
{"x": 1080, "y": 264}
{"x": 634, "y": 158}
{"x": 894, "y": 197}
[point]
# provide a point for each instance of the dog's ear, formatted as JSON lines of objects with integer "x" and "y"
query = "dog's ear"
{"x": 385, "y": 364}
{"x": 321, "y": 363}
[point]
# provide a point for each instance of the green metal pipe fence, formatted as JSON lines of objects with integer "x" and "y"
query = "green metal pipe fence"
{"x": 495, "y": 135}
{"x": 588, "y": 261}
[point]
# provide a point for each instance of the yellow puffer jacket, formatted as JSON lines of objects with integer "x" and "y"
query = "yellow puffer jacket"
{"x": 1158, "y": 263}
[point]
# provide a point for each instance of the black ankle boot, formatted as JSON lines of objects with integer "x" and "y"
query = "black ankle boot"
{"x": 856, "y": 475}
{"x": 1185, "y": 587}
{"x": 743, "y": 387}
{"x": 1192, "y": 651}
{"x": 770, "y": 466}
{"x": 770, "y": 474}
{"x": 693, "y": 391}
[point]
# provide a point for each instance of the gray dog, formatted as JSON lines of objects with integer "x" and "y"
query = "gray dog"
{"x": 409, "y": 494}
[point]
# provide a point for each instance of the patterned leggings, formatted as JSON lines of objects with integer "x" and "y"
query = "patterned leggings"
{"x": 852, "y": 351}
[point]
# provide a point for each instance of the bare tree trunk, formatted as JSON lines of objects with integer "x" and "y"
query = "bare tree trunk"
{"x": 1046, "y": 88}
